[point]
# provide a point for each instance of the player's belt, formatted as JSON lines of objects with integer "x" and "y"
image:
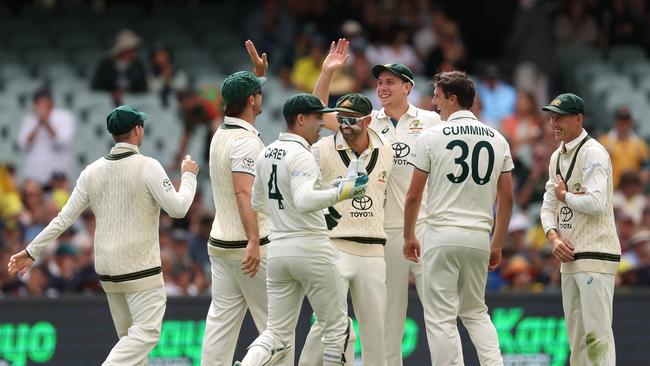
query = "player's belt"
{"x": 234, "y": 244}
{"x": 131, "y": 276}
{"x": 363, "y": 240}
{"x": 599, "y": 256}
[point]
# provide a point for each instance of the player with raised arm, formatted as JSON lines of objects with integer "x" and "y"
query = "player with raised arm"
{"x": 401, "y": 123}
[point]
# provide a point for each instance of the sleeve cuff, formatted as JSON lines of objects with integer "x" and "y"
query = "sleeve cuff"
{"x": 29, "y": 255}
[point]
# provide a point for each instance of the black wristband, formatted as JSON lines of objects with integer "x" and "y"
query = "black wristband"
{"x": 30, "y": 256}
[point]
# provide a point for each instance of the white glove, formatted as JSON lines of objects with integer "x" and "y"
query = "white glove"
{"x": 352, "y": 188}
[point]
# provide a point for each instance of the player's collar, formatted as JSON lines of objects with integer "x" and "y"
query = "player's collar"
{"x": 411, "y": 111}
{"x": 122, "y": 147}
{"x": 464, "y": 113}
{"x": 573, "y": 143}
{"x": 288, "y": 136}
{"x": 238, "y": 122}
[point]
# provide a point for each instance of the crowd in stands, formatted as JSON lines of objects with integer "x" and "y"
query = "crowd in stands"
{"x": 297, "y": 34}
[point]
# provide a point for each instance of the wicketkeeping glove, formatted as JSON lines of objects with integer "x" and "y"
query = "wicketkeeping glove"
{"x": 352, "y": 188}
{"x": 332, "y": 217}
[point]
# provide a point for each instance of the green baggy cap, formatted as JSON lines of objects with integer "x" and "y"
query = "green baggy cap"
{"x": 240, "y": 85}
{"x": 354, "y": 103}
{"x": 400, "y": 70}
{"x": 567, "y": 103}
{"x": 304, "y": 103}
{"x": 123, "y": 118}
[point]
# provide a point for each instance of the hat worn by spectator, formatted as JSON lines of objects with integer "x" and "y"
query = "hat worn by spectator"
{"x": 124, "y": 41}
{"x": 623, "y": 113}
{"x": 354, "y": 103}
{"x": 304, "y": 103}
{"x": 123, "y": 118}
{"x": 400, "y": 70}
{"x": 240, "y": 85}
{"x": 567, "y": 103}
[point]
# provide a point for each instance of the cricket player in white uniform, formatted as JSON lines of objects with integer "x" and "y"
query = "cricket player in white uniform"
{"x": 578, "y": 219}
{"x": 401, "y": 123}
{"x": 301, "y": 258}
{"x": 125, "y": 190}
{"x": 467, "y": 165}
{"x": 359, "y": 235}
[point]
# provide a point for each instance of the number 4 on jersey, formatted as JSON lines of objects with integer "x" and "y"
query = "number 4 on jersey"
{"x": 274, "y": 191}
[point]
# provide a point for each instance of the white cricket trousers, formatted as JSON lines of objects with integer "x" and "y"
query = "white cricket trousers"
{"x": 365, "y": 277}
{"x": 289, "y": 280}
{"x": 398, "y": 270}
{"x": 587, "y": 299}
{"x": 233, "y": 292}
{"x": 137, "y": 317}
{"x": 454, "y": 286}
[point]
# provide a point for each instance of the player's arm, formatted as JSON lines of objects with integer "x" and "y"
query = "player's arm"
{"x": 77, "y": 203}
{"x": 304, "y": 175}
{"x": 243, "y": 184}
{"x": 411, "y": 210}
{"x": 159, "y": 185}
{"x": 421, "y": 161}
{"x": 597, "y": 172}
{"x": 336, "y": 59}
{"x": 504, "y": 211}
{"x": 561, "y": 249}
{"x": 260, "y": 64}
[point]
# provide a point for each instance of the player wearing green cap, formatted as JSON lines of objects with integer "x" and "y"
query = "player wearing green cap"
{"x": 301, "y": 258}
{"x": 359, "y": 235}
{"x": 239, "y": 237}
{"x": 578, "y": 219}
{"x": 401, "y": 123}
{"x": 125, "y": 191}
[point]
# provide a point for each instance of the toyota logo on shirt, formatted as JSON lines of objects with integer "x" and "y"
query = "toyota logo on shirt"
{"x": 566, "y": 214}
{"x": 400, "y": 150}
{"x": 362, "y": 203}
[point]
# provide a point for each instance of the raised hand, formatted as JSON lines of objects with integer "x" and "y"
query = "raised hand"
{"x": 260, "y": 64}
{"x": 338, "y": 56}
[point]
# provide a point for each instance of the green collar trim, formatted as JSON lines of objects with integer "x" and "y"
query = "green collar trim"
{"x": 119, "y": 156}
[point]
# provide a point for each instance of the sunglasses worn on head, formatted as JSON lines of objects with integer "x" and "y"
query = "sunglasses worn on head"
{"x": 350, "y": 121}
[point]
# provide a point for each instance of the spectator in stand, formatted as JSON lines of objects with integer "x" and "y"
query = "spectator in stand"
{"x": 530, "y": 49}
{"x": 121, "y": 71}
{"x": 628, "y": 151}
{"x": 196, "y": 242}
{"x": 629, "y": 197}
{"x": 450, "y": 54}
{"x": 167, "y": 79}
{"x": 63, "y": 267}
{"x": 10, "y": 204}
{"x": 620, "y": 24}
{"x": 523, "y": 127}
{"x": 530, "y": 181}
{"x": 46, "y": 138}
{"x": 195, "y": 111}
{"x": 498, "y": 97}
{"x": 398, "y": 50}
{"x": 574, "y": 27}
{"x": 38, "y": 210}
{"x": 59, "y": 188}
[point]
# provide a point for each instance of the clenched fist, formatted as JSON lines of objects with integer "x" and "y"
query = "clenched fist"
{"x": 189, "y": 165}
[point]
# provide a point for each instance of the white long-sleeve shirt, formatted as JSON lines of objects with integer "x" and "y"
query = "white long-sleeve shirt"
{"x": 287, "y": 188}
{"x": 126, "y": 211}
{"x": 47, "y": 154}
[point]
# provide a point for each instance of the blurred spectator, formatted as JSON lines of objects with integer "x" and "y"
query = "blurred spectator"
{"x": 574, "y": 27}
{"x": 517, "y": 271}
{"x": 530, "y": 183}
{"x": 497, "y": 96}
{"x": 637, "y": 253}
{"x": 122, "y": 71}
{"x": 167, "y": 79}
{"x": 197, "y": 243}
{"x": 196, "y": 111}
{"x": 10, "y": 204}
{"x": 360, "y": 65}
{"x": 38, "y": 209}
{"x": 523, "y": 127}
{"x": 62, "y": 267}
{"x": 449, "y": 55}
{"x": 272, "y": 29}
{"x": 427, "y": 37}
{"x": 46, "y": 138}
{"x": 529, "y": 47}
{"x": 306, "y": 69}
{"x": 624, "y": 229}
{"x": 59, "y": 187}
{"x": 398, "y": 50}
{"x": 36, "y": 284}
{"x": 629, "y": 198}
{"x": 620, "y": 24}
{"x": 628, "y": 151}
